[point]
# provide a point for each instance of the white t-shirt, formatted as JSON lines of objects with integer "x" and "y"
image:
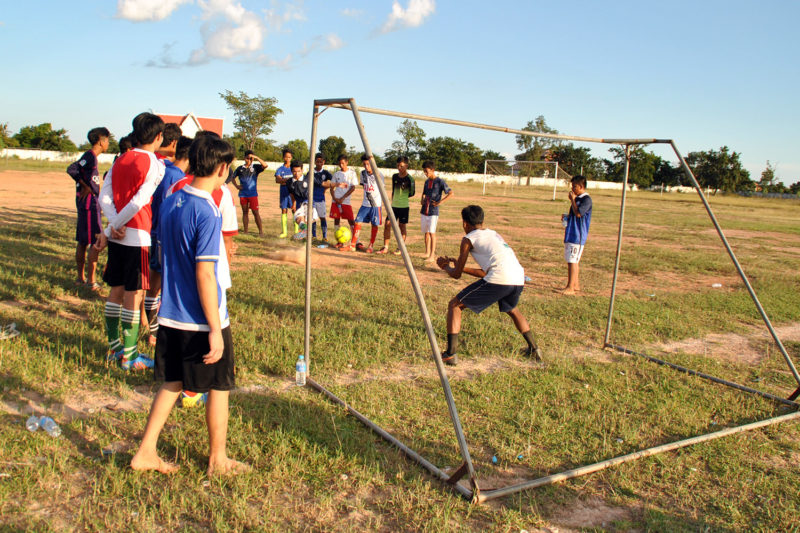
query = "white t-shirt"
{"x": 372, "y": 196}
{"x": 349, "y": 178}
{"x": 496, "y": 258}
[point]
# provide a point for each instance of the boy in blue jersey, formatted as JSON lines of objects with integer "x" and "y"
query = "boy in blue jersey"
{"x": 194, "y": 348}
{"x": 282, "y": 176}
{"x": 431, "y": 199}
{"x": 576, "y": 232}
{"x": 175, "y": 166}
{"x": 87, "y": 188}
{"x": 322, "y": 181}
{"x": 247, "y": 175}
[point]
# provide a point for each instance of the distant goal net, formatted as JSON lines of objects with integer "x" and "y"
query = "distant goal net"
{"x": 510, "y": 173}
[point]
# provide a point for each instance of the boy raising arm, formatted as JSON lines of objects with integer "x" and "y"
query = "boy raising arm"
{"x": 577, "y": 231}
{"x": 502, "y": 279}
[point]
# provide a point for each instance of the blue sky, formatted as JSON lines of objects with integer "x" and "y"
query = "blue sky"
{"x": 706, "y": 74}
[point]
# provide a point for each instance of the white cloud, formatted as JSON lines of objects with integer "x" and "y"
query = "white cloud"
{"x": 411, "y": 17}
{"x": 291, "y": 12}
{"x": 147, "y": 10}
{"x": 333, "y": 42}
{"x": 328, "y": 43}
{"x": 230, "y": 31}
{"x": 350, "y": 12}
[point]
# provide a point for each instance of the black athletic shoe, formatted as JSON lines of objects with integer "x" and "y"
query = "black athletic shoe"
{"x": 449, "y": 359}
{"x": 534, "y": 353}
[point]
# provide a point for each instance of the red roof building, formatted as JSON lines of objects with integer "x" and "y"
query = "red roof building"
{"x": 191, "y": 124}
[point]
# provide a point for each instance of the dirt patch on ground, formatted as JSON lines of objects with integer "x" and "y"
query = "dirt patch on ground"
{"x": 751, "y": 345}
{"x": 81, "y": 403}
{"x": 592, "y": 512}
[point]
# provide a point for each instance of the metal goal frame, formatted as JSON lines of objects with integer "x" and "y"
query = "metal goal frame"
{"x": 474, "y": 492}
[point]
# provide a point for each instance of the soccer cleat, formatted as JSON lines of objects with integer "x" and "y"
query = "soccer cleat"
{"x": 299, "y": 236}
{"x": 142, "y": 362}
{"x": 346, "y": 248}
{"x": 449, "y": 359}
{"x": 360, "y": 246}
{"x": 111, "y": 355}
{"x": 282, "y": 235}
{"x": 369, "y": 250}
{"x": 193, "y": 399}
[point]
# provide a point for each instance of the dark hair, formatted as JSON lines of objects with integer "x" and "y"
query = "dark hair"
{"x": 172, "y": 132}
{"x": 319, "y": 155}
{"x": 207, "y": 133}
{"x": 206, "y": 152}
{"x": 287, "y": 151}
{"x": 182, "y": 147}
{"x": 341, "y": 157}
{"x": 402, "y": 159}
{"x": 146, "y": 127}
{"x": 579, "y": 180}
{"x": 365, "y": 157}
{"x": 472, "y": 215}
{"x": 95, "y": 134}
{"x": 126, "y": 143}
{"x": 248, "y": 153}
{"x": 296, "y": 164}
{"x": 429, "y": 164}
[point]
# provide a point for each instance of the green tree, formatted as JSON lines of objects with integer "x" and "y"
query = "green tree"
{"x": 264, "y": 148}
{"x": 332, "y": 147}
{"x": 412, "y": 139}
{"x": 642, "y": 169}
{"x": 453, "y": 155}
{"x": 299, "y": 148}
{"x": 254, "y": 116}
{"x": 794, "y": 188}
{"x": 578, "y": 160}
{"x": 720, "y": 170}
{"x": 534, "y": 148}
{"x": 44, "y": 137}
{"x": 768, "y": 179}
{"x": 6, "y": 140}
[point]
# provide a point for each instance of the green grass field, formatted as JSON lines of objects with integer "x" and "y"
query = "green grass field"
{"x": 316, "y": 468}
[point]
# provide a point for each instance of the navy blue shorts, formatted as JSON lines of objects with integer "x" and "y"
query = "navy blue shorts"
{"x": 88, "y": 227}
{"x": 155, "y": 255}
{"x": 480, "y": 295}
{"x": 286, "y": 199}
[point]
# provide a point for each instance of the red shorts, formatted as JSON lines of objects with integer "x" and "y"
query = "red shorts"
{"x": 346, "y": 212}
{"x": 252, "y": 201}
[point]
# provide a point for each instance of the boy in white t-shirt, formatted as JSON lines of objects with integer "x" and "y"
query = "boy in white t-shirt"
{"x": 502, "y": 278}
{"x": 370, "y": 210}
{"x": 343, "y": 185}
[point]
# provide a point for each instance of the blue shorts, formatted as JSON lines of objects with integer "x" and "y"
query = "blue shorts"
{"x": 89, "y": 223}
{"x": 369, "y": 214}
{"x": 155, "y": 255}
{"x": 480, "y": 295}
{"x": 286, "y": 199}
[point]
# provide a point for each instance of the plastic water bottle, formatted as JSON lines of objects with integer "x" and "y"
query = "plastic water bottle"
{"x": 32, "y": 423}
{"x": 300, "y": 371}
{"x": 50, "y": 426}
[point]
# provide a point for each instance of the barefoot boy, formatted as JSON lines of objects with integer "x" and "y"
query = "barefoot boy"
{"x": 402, "y": 190}
{"x": 502, "y": 279}
{"x": 370, "y": 209}
{"x": 576, "y": 232}
{"x": 194, "y": 348}
{"x": 431, "y": 200}
{"x": 87, "y": 188}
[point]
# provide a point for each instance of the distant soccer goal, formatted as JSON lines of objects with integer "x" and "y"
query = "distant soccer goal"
{"x": 511, "y": 173}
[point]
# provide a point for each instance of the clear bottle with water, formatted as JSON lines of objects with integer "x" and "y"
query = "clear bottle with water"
{"x": 50, "y": 426}
{"x": 300, "y": 371}
{"x": 32, "y": 423}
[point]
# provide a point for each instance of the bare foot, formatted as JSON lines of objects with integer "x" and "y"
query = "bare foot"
{"x": 144, "y": 462}
{"x": 569, "y": 292}
{"x": 227, "y": 466}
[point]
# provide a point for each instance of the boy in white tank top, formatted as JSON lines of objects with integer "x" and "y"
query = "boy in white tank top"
{"x": 501, "y": 280}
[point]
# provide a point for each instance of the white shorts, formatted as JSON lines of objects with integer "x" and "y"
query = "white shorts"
{"x": 429, "y": 223}
{"x": 301, "y": 213}
{"x": 319, "y": 207}
{"x": 573, "y": 252}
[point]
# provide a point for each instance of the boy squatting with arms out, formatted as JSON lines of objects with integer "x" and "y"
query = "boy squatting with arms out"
{"x": 247, "y": 175}
{"x": 298, "y": 188}
{"x": 370, "y": 208}
{"x": 502, "y": 279}
{"x": 125, "y": 200}
{"x": 576, "y": 232}
{"x": 431, "y": 199}
{"x": 282, "y": 176}
{"x": 87, "y": 188}
{"x": 195, "y": 348}
{"x": 402, "y": 189}
{"x": 343, "y": 185}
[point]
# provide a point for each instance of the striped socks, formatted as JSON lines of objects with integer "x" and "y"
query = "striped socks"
{"x": 112, "y": 314}
{"x": 151, "y": 308}
{"x": 130, "y": 333}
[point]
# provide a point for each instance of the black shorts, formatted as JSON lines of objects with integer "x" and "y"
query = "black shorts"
{"x": 155, "y": 256}
{"x": 88, "y": 220}
{"x": 480, "y": 295}
{"x": 128, "y": 266}
{"x": 179, "y": 357}
{"x": 401, "y": 214}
